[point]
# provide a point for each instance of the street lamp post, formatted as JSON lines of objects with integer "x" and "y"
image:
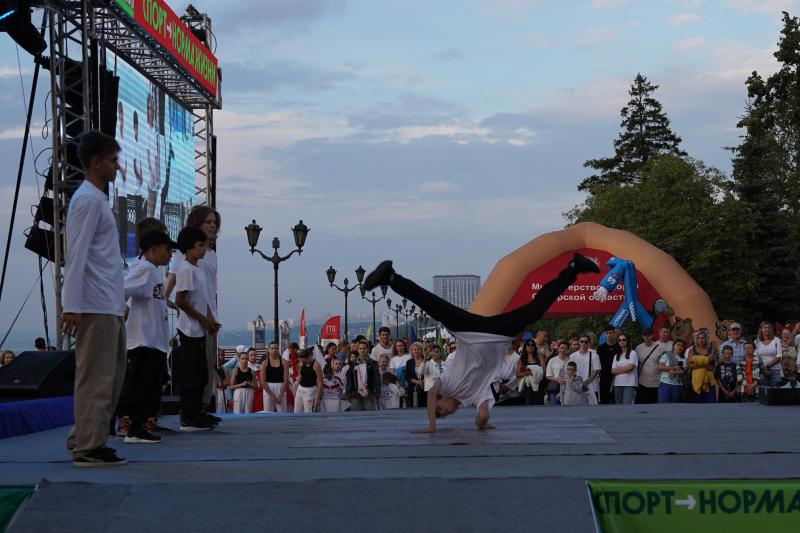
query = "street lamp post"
{"x": 397, "y": 310}
{"x": 408, "y": 314}
{"x": 373, "y": 301}
{"x": 331, "y": 273}
{"x": 300, "y": 232}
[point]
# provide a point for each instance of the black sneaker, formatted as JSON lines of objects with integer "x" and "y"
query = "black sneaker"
{"x": 99, "y": 458}
{"x": 212, "y": 419}
{"x": 382, "y": 275}
{"x": 582, "y": 264}
{"x": 195, "y": 424}
{"x": 137, "y": 434}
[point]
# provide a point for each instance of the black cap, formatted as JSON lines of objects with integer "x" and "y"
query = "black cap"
{"x": 154, "y": 238}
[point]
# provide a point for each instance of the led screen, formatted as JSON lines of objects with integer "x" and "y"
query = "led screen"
{"x": 157, "y": 157}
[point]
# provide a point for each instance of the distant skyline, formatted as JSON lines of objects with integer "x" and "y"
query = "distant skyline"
{"x": 442, "y": 135}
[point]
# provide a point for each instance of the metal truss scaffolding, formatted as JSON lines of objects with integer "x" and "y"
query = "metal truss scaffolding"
{"x": 80, "y": 32}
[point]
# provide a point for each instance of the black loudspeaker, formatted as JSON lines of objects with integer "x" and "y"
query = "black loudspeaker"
{"x": 788, "y": 395}
{"x": 38, "y": 375}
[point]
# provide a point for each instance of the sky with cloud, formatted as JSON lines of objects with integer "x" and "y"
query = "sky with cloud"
{"x": 442, "y": 135}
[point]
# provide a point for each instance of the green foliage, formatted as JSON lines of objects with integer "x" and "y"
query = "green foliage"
{"x": 646, "y": 134}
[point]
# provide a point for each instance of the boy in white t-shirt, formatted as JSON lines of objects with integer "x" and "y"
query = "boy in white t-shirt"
{"x": 482, "y": 340}
{"x": 390, "y": 392}
{"x": 196, "y": 319}
{"x": 147, "y": 335}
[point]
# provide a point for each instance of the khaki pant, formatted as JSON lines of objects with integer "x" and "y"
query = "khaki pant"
{"x": 211, "y": 362}
{"x": 100, "y": 361}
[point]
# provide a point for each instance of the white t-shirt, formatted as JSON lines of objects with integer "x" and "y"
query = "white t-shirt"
{"x": 766, "y": 352}
{"x": 208, "y": 264}
{"x": 390, "y": 396}
{"x": 629, "y": 378}
{"x": 469, "y": 375}
{"x": 379, "y": 350}
{"x": 147, "y": 324}
{"x": 398, "y": 361}
{"x": 582, "y": 362}
{"x": 431, "y": 371}
{"x": 555, "y": 367}
{"x": 191, "y": 279}
{"x": 650, "y": 375}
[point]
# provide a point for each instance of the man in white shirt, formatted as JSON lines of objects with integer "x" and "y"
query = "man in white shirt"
{"x": 649, "y": 354}
{"x": 384, "y": 345}
{"x": 93, "y": 301}
{"x": 588, "y": 368}
{"x": 482, "y": 341}
{"x": 556, "y": 371}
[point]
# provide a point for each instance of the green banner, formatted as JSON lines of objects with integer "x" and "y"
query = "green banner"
{"x": 668, "y": 506}
{"x": 11, "y": 498}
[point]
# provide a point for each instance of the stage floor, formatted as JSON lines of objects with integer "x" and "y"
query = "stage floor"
{"x": 366, "y": 472}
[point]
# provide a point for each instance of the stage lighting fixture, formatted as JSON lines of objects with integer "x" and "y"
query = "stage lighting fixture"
{"x": 15, "y": 19}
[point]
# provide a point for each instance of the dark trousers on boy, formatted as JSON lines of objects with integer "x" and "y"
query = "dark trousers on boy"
{"x": 193, "y": 375}
{"x": 141, "y": 393}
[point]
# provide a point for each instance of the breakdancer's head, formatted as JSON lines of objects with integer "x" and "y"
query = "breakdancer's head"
{"x": 446, "y": 406}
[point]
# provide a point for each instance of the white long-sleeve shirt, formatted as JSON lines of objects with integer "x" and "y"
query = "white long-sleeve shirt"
{"x": 93, "y": 276}
{"x": 147, "y": 323}
{"x": 208, "y": 264}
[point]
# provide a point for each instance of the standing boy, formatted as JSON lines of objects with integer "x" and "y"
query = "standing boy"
{"x": 148, "y": 335}
{"x": 93, "y": 303}
{"x": 196, "y": 319}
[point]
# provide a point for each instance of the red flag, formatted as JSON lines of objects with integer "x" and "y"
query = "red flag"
{"x": 303, "y": 328}
{"x": 330, "y": 330}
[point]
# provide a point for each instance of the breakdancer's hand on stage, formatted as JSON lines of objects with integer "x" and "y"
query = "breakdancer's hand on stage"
{"x": 482, "y": 418}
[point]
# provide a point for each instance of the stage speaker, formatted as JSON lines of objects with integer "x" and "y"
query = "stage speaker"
{"x": 788, "y": 395}
{"x": 38, "y": 375}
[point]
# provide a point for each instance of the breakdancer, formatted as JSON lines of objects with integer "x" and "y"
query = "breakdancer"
{"x": 482, "y": 340}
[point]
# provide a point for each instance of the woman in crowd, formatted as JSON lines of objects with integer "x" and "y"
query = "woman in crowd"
{"x": 434, "y": 367}
{"x": 530, "y": 375}
{"x": 415, "y": 381}
{"x": 309, "y": 387}
{"x": 330, "y": 352}
{"x": 400, "y": 357}
{"x": 701, "y": 361}
{"x": 6, "y": 357}
{"x": 252, "y": 364}
{"x": 623, "y": 368}
{"x": 274, "y": 380}
{"x": 768, "y": 352}
{"x": 673, "y": 373}
{"x": 242, "y": 386}
{"x": 222, "y": 382}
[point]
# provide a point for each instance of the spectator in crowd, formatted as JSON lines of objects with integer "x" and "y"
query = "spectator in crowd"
{"x": 274, "y": 380}
{"x": 6, "y": 357}
{"x": 344, "y": 351}
{"x": 530, "y": 373}
{"x": 332, "y": 390}
{"x": 664, "y": 342}
{"x": 673, "y": 373}
{"x": 788, "y": 352}
{"x": 252, "y": 364}
{"x": 542, "y": 346}
{"x": 649, "y": 353}
{"x": 573, "y": 345}
{"x": 400, "y": 357}
{"x": 222, "y": 383}
{"x": 452, "y": 346}
{"x": 735, "y": 341}
{"x": 555, "y": 373}
{"x": 363, "y": 381}
{"x": 751, "y": 374}
{"x": 726, "y": 375}
{"x": 415, "y": 381}
{"x": 575, "y": 389}
{"x": 309, "y": 386}
{"x": 606, "y": 352}
{"x": 383, "y": 364}
{"x": 242, "y": 381}
{"x": 340, "y": 371}
{"x": 331, "y": 352}
{"x": 40, "y": 344}
{"x": 504, "y": 388}
{"x": 434, "y": 367}
{"x": 768, "y": 351}
{"x": 209, "y": 221}
{"x": 195, "y": 323}
{"x": 624, "y": 368}
{"x": 93, "y": 303}
{"x": 390, "y": 392}
{"x": 588, "y": 368}
{"x": 384, "y": 345}
{"x": 701, "y": 361}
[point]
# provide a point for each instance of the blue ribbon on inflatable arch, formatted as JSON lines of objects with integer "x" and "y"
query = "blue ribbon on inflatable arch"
{"x": 625, "y": 270}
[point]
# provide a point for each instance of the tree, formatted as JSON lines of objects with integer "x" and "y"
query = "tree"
{"x": 646, "y": 134}
{"x": 688, "y": 210}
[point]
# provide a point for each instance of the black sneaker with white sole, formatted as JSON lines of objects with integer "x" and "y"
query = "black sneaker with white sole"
{"x": 195, "y": 424}
{"x": 139, "y": 435}
{"x": 213, "y": 420}
{"x": 99, "y": 458}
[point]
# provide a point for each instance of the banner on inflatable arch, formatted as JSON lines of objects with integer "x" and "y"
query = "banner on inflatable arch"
{"x": 578, "y": 300}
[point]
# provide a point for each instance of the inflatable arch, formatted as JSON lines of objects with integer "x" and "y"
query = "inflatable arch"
{"x": 516, "y": 278}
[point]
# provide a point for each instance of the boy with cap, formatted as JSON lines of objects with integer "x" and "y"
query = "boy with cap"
{"x": 148, "y": 335}
{"x": 482, "y": 340}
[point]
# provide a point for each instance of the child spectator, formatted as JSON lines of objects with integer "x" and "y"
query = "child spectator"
{"x": 575, "y": 390}
{"x": 196, "y": 319}
{"x": 390, "y": 392}
{"x": 751, "y": 373}
{"x": 727, "y": 376}
{"x": 242, "y": 381}
{"x": 433, "y": 368}
{"x": 6, "y": 357}
{"x": 332, "y": 390}
{"x": 383, "y": 364}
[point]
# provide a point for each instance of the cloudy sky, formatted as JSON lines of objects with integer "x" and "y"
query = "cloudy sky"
{"x": 440, "y": 134}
